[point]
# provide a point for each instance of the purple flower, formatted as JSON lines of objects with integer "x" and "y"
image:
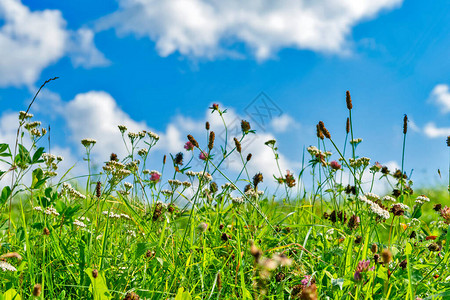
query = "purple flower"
{"x": 155, "y": 177}
{"x": 335, "y": 165}
{"x": 363, "y": 266}
{"x": 306, "y": 281}
{"x": 189, "y": 146}
{"x": 203, "y": 156}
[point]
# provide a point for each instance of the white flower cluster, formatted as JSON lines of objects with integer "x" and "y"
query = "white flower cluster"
{"x": 253, "y": 193}
{"x": 122, "y": 128}
{"x": 128, "y": 186}
{"x": 372, "y": 196}
{"x": 314, "y": 151}
{"x": 79, "y": 223}
{"x": 389, "y": 198}
{"x": 112, "y": 215}
{"x": 133, "y": 165}
{"x": 374, "y": 207}
{"x": 204, "y": 175}
{"x": 24, "y": 115}
{"x": 153, "y": 135}
{"x": 142, "y": 152}
{"x": 356, "y": 141}
{"x": 51, "y": 211}
{"x": 174, "y": 183}
{"x": 5, "y": 266}
{"x": 356, "y": 163}
{"x": 31, "y": 125}
{"x": 167, "y": 193}
{"x": 84, "y": 219}
{"x": 69, "y": 190}
{"x": 116, "y": 169}
{"x": 401, "y": 205}
{"x": 186, "y": 184}
{"x": 88, "y": 142}
{"x": 131, "y": 233}
{"x": 237, "y": 200}
{"x": 227, "y": 185}
{"x": 422, "y": 199}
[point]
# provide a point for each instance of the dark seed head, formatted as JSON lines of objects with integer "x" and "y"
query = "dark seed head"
{"x": 347, "y": 126}
{"x": 207, "y": 125}
{"x": 448, "y": 141}
{"x": 95, "y": 273}
{"x": 238, "y": 145}
{"x": 37, "y": 289}
{"x": 249, "y": 156}
{"x": 98, "y": 189}
{"x": 437, "y": 207}
{"x": 257, "y": 179}
{"x": 348, "y": 99}
{"x": 178, "y": 160}
{"x": 245, "y": 126}
{"x": 403, "y": 264}
{"x": 192, "y": 140}
{"x": 212, "y": 136}
{"x": 131, "y": 296}
{"x": 280, "y": 276}
{"x": 46, "y": 231}
{"x": 113, "y": 157}
{"x": 224, "y": 237}
{"x": 405, "y": 124}
{"x": 325, "y": 132}
{"x": 374, "y": 248}
{"x": 433, "y": 247}
{"x": 164, "y": 159}
{"x": 319, "y": 132}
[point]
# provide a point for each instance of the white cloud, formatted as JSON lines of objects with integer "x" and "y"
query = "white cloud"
{"x": 284, "y": 123}
{"x": 201, "y": 28}
{"x": 440, "y": 95}
{"x": 30, "y": 41}
{"x": 82, "y": 50}
{"x": 432, "y": 131}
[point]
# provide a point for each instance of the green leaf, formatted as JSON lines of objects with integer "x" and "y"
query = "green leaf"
{"x": 408, "y": 249}
{"x": 37, "y": 155}
{"x": 98, "y": 286}
{"x": 338, "y": 282}
{"x": 3, "y": 148}
{"x": 183, "y": 295}
{"x": 23, "y": 158}
{"x": 11, "y": 294}
{"x": 6, "y": 192}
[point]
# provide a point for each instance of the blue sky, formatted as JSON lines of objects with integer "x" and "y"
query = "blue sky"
{"x": 160, "y": 65}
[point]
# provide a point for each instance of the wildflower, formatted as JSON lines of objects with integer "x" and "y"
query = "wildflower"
{"x": 376, "y": 167}
{"x": 37, "y": 208}
{"x": 363, "y": 266}
{"x": 79, "y": 223}
{"x": 388, "y": 198}
{"x": 397, "y": 209}
{"x": 88, "y": 142}
{"x": 385, "y": 170}
{"x": 24, "y": 115}
{"x": 358, "y": 239}
{"x": 204, "y": 175}
{"x": 202, "y": 227}
{"x": 178, "y": 159}
{"x": 211, "y": 140}
{"x": 5, "y": 266}
{"x": 131, "y": 296}
{"x": 167, "y": 192}
{"x": 32, "y": 125}
{"x": 445, "y": 213}
{"x": 189, "y": 146}
{"x": 257, "y": 179}
{"x": 186, "y": 184}
{"x": 245, "y": 126}
{"x": 143, "y": 152}
{"x": 379, "y": 211}
{"x": 131, "y": 233}
{"x": 356, "y": 142}
{"x": 335, "y": 165}
{"x": 46, "y": 231}
{"x": 422, "y": 199}
{"x": 237, "y": 200}
{"x": 354, "y": 221}
{"x": 113, "y": 157}
{"x": 122, "y": 128}
{"x": 289, "y": 179}
{"x": 214, "y": 106}
{"x": 125, "y": 216}
{"x": 348, "y": 100}
{"x": 280, "y": 276}
{"x": 437, "y": 207}
{"x": 203, "y": 156}
{"x": 51, "y": 211}
{"x": 155, "y": 176}
{"x": 224, "y": 237}
{"x": 174, "y": 183}
{"x": 153, "y": 135}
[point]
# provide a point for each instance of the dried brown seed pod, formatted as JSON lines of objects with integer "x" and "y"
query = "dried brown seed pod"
{"x": 192, "y": 140}
{"x": 348, "y": 99}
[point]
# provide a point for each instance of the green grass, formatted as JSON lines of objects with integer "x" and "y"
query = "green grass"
{"x": 195, "y": 240}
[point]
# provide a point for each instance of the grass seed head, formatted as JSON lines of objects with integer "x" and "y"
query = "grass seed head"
{"x": 192, "y": 140}
{"x": 348, "y": 99}
{"x": 374, "y": 248}
{"x": 386, "y": 255}
{"x": 319, "y": 132}
{"x": 37, "y": 289}
{"x": 325, "y": 132}
{"x": 347, "y": 126}
{"x": 207, "y": 125}
{"x": 238, "y": 145}
{"x": 131, "y": 296}
{"x": 212, "y": 136}
{"x": 98, "y": 189}
{"x": 405, "y": 124}
{"x": 249, "y": 156}
{"x": 448, "y": 141}
{"x": 245, "y": 126}
{"x": 257, "y": 179}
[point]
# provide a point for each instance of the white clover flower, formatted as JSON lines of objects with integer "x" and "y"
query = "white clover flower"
{"x": 124, "y": 193}
{"x": 5, "y": 266}
{"x": 228, "y": 185}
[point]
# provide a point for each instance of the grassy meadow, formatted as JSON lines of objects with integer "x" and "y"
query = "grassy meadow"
{"x": 125, "y": 233}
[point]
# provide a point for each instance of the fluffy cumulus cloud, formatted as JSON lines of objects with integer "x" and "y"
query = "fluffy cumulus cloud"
{"x": 206, "y": 28}
{"x": 432, "y": 131}
{"x": 440, "y": 95}
{"x": 284, "y": 123}
{"x": 32, "y": 40}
